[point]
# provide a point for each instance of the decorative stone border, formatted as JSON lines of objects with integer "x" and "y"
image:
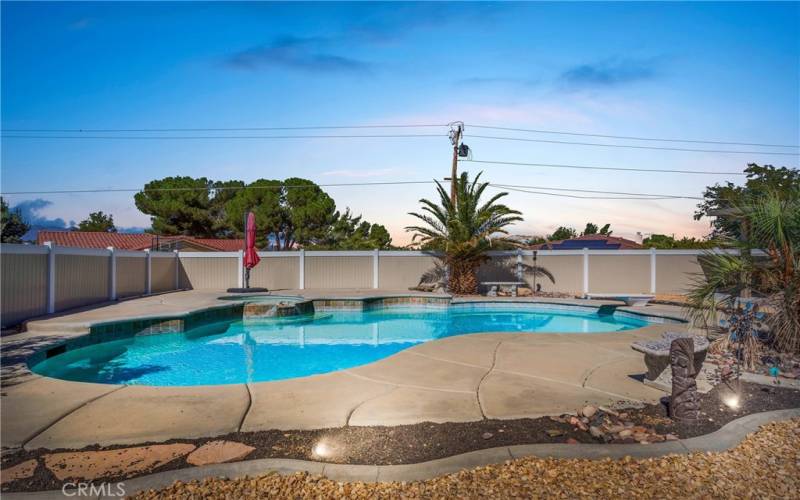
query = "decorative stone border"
{"x": 723, "y": 439}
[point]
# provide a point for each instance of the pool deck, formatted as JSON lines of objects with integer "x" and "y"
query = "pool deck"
{"x": 455, "y": 379}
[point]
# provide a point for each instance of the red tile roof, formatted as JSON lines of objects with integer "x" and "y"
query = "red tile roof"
{"x": 624, "y": 244}
{"x": 128, "y": 241}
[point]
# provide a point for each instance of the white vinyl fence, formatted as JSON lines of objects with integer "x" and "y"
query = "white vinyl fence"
{"x": 575, "y": 271}
{"x": 38, "y": 280}
{"x": 44, "y": 279}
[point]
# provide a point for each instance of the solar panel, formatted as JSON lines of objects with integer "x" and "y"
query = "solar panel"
{"x": 590, "y": 244}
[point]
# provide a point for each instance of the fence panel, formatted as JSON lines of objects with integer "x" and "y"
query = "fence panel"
{"x": 131, "y": 276}
{"x": 619, "y": 273}
{"x": 81, "y": 280}
{"x": 200, "y": 273}
{"x": 24, "y": 286}
{"x": 402, "y": 272}
{"x": 567, "y": 270}
{"x": 674, "y": 273}
{"x": 338, "y": 271}
{"x": 276, "y": 273}
{"x": 162, "y": 272}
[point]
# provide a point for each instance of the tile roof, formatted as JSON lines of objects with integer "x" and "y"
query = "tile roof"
{"x": 591, "y": 241}
{"x": 128, "y": 241}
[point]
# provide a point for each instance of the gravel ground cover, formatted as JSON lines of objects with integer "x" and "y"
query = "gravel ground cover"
{"x": 428, "y": 441}
{"x": 765, "y": 465}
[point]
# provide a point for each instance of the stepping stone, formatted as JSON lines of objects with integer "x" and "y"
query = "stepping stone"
{"x": 217, "y": 452}
{"x": 22, "y": 470}
{"x": 125, "y": 462}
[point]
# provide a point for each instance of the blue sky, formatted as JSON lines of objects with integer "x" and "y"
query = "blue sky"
{"x": 720, "y": 71}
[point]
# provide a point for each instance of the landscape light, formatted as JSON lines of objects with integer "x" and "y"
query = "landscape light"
{"x": 731, "y": 401}
{"x": 321, "y": 450}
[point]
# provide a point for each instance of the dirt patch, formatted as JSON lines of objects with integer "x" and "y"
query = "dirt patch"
{"x": 428, "y": 441}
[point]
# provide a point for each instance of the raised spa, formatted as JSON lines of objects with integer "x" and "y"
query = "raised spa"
{"x": 233, "y": 350}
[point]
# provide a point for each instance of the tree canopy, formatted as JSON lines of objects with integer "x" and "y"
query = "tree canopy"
{"x": 665, "y": 242}
{"x": 563, "y": 233}
{"x": 761, "y": 181}
{"x": 296, "y": 209}
{"x": 591, "y": 228}
{"x": 13, "y": 226}
{"x": 98, "y": 221}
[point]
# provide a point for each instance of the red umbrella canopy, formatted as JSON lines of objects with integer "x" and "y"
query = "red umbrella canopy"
{"x": 251, "y": 257}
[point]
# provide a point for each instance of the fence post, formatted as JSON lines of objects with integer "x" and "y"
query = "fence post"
{"x": 519, "y": 264}
{"x": 51, "y": 277}
{"x": 239, "y": 269}
{"x": 177, "y": 269}
{"x": 112, "y": 292}
{"x": 585, "y": 271}
{"x": 652, "y": 270}
{"x": 375, "y": 268}
{"x": 148, "y": 272}
{"x": 302, "y": 267}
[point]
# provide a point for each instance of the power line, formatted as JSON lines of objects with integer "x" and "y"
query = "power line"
{"x": 582, "y": 197}
{"x": 205, "y": 137}
{"x": 523, "y": 139}
{"x": 665, "y": 196}
{"x": 212, "y": 188}
{"x": 646, "y": 196}
{"x": 218, "y": 129}
{"x": 585, "y": 167}
{"x": 634, "y": 138}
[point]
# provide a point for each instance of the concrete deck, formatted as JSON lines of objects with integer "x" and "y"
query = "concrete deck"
{"x": 455, "y": 379}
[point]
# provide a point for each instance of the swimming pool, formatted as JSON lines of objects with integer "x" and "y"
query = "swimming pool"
{"x": 240, "y": 351}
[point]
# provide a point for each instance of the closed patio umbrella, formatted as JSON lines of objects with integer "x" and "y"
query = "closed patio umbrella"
{"x": 251, "y": 258}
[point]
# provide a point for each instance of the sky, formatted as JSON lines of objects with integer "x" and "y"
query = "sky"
{"x": 700, "y": 71}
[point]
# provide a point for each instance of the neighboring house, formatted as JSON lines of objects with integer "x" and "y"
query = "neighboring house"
{"x": 142, "y": 241}
{"x": 590, "y": 241}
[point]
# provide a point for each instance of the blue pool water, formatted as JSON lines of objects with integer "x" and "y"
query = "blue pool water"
{"x": 243, "y": 351}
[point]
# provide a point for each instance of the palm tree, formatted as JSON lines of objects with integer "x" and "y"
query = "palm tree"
{"x": 464, "y": 231}
{"x": 773, "y": 226}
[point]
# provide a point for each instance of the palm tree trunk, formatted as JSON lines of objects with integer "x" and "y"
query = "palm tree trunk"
{"x": 463, "y": 278}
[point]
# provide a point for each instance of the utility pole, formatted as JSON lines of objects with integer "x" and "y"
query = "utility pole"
{"x": 456, "y": 129}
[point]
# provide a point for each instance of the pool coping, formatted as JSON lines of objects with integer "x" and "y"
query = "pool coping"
{"x": 456, "y": 379}
{"x": 725, "y": 438}
{"x": 95, "y": 332}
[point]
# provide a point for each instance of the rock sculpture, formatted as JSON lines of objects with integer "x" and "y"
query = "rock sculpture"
{"x": 684, "y": 404}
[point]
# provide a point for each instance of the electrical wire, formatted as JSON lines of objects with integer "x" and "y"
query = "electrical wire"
{"x": 218, "y": 129}
{"x": 634, "y": 138}
{"x": 586, "y": 167}
{"x": 215, "y": 137}
{"x": 582, "y": 197}
{"x": 212, "y": 188}
{"x": 671, "y": 196}
{"x": 513, "y": 187}
{"x": 631, "y": 146}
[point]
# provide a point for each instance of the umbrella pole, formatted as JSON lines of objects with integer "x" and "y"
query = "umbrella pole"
{"x": 245, "y": 271}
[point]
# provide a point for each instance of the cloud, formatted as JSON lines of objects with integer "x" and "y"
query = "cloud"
{"x": 609, "y": 73}
{"x": 29, "y": 209}
{"x": 489, "y": 81}
{"x": 390, "y": 23}
{"x": 377, "y": 24}
{"x": 360, "y": 173}
{"x": 80, "y": 24}
{"x": 303, "y": 54}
